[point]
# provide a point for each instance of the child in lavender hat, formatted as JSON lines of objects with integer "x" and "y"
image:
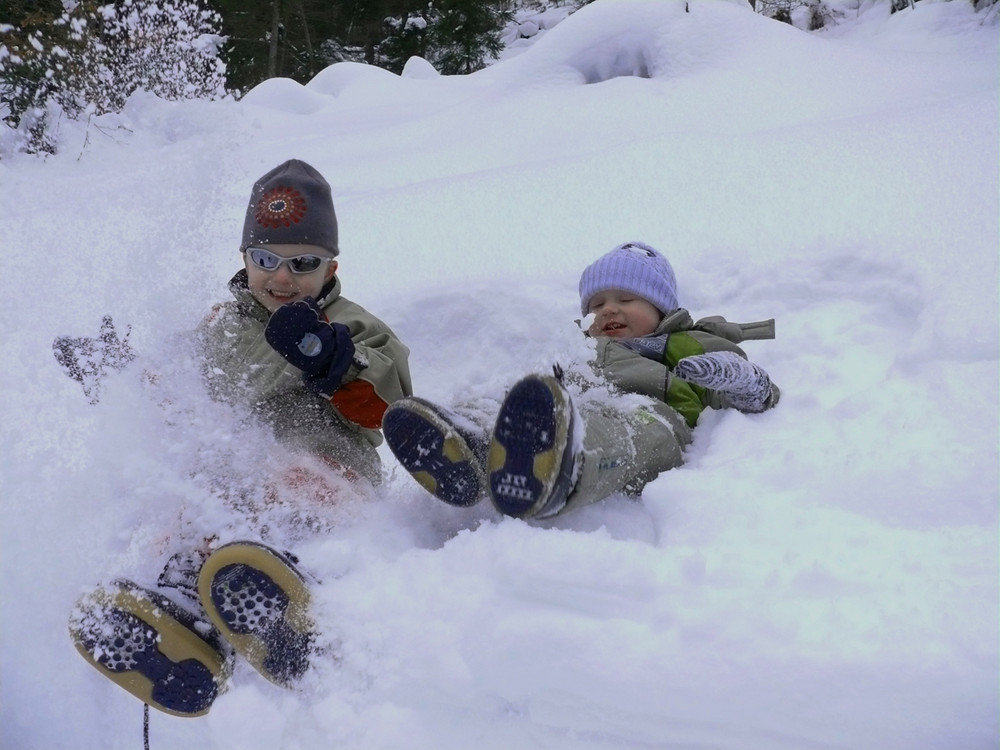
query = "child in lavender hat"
{"x": 540, "y": 454}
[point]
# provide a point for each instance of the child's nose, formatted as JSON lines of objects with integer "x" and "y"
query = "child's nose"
{"x": 283, "y": 271}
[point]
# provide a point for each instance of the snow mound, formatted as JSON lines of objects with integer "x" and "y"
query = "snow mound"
{"x": 654, "y": 38}
{"x": 339, "y": 77}
{"x": 286, "y": 95}
{"x": 418, "y": 67}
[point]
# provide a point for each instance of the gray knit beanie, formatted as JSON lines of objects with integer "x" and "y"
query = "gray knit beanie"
{"x": 635, "y": 268}
{"x": 291, "y": 205}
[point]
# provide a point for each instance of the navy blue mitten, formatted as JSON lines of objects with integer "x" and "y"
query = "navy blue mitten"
{"x": 301, "y": 334}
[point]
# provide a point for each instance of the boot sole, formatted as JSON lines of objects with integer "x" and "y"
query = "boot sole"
{"x": 434, "y": 453}
{"x": 147, "y": 645}
{"x": 530, "y": 462}
{"x": 259, "y": 602}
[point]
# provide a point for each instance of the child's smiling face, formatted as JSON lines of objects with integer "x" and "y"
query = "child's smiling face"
{"x": 622, "y": 315}
{"x": 280, "y": 286}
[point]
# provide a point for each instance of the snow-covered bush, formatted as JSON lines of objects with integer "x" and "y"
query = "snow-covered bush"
{"x": 94, "y": 56}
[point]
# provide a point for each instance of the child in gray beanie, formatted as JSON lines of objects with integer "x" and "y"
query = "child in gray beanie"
{"x": 541, "y": 454}
{"x": 324, "y": 368}
{"x": 321, "y": 370}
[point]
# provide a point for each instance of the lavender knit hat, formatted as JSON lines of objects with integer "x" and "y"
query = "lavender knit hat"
{"x": 291, "y": 205}
{"x": 635, "y": 268}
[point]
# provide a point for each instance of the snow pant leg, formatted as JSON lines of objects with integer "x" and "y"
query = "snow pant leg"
{"x": 477, "y": 416}
{"x": 623, "y": 451}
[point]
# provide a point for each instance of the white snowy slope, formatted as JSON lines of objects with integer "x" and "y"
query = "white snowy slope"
{"x": 820, "y": 576}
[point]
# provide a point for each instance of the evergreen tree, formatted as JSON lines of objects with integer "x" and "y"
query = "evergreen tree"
{"x": 465, "y": 34}
{"x": 456, "y": 36}
{"x": 388, "y": 31}
{"x": 407, "y": 36}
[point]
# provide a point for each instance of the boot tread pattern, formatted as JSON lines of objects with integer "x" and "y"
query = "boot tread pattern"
{"x": 258, "y": 600}
{"x": 148, "y": 646}
{"x": 434, "y": 452}
{"x": 530, "y": 460}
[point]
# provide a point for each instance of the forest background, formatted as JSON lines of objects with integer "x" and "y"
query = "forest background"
{"x": 72, "y": 59}
{"x": 76, "y": 59}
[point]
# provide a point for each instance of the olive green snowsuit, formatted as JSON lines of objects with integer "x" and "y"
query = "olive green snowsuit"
{"x": 623, "y": 449}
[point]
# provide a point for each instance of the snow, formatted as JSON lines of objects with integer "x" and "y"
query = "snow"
{"x": 823, "y": 575}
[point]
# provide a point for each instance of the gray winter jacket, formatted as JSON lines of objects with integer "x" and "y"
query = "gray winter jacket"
{"x": 241, "y": 367}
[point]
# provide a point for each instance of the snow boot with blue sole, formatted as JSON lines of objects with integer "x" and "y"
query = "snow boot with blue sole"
{"x": 446, "y": 459}
{"x": 153, "y": 648}
{"x": 532, "y": 462}
{"x": 259, "y": 602}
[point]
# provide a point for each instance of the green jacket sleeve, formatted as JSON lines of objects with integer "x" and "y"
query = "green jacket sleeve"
{"x": 634, "y": 373}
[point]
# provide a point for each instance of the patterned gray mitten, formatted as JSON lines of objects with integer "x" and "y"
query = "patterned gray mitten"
{"x": 747, "y": 387}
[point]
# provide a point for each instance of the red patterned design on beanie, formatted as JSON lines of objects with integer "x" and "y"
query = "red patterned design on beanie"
{"x": 280, "y": 206}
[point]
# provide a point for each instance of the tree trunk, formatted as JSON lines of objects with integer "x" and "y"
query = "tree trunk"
{"x": 307, "y": 39}
{"x": 272, "y": 50}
